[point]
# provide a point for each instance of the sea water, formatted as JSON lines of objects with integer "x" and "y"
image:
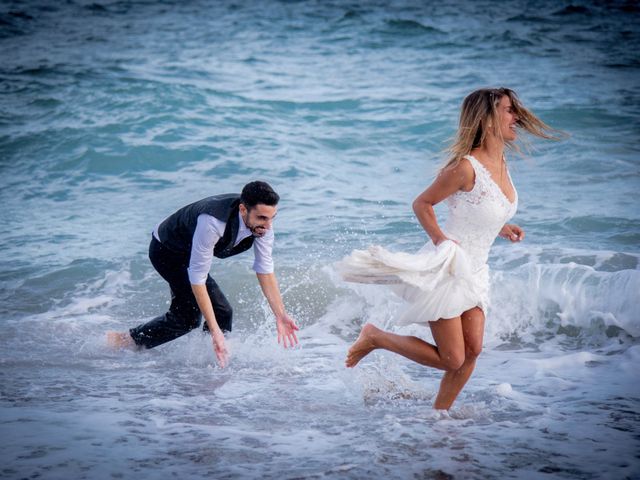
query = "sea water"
{"x": 113, "y": 114}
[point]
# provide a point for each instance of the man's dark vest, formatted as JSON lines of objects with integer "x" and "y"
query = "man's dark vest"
{"x": 176, "y": 232}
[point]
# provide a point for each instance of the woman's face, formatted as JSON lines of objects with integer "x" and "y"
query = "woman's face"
{"x": 507, "y": 119}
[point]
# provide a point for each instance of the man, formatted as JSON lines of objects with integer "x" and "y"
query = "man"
{"x": 182, "y": 249}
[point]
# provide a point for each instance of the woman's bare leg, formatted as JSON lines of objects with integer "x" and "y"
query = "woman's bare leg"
{"x": 454, "y": 380}
{"x": 449, "y": 354}
{"x": 458, "y": 340}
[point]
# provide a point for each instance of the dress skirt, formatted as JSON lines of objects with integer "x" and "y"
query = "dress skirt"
{"x": 437, "y": 282}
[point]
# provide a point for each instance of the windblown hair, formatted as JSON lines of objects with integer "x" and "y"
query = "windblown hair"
{"x": 258, "y": 192}
{"x": 479, "y": 116}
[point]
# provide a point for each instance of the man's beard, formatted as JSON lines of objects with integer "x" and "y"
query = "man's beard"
{"x": 257, "y": 233}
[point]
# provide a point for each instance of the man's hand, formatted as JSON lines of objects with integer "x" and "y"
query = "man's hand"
{"x": 220, "y": 348}
{"x": 286, "y": 327}
{"x": 204, "y": 303}
{"x": 512, "y": 232}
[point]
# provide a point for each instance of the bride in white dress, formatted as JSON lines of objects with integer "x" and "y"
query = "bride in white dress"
{"x": 446, "y": 283}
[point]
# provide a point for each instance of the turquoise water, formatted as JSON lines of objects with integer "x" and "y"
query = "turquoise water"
{"x": 114, "y": 114}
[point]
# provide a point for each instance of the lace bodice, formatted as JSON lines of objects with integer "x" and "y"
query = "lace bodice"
{"x": 450, "y": 279}
{"x": 477, "y": 216}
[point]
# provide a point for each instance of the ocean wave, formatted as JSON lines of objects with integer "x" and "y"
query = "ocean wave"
{"x": 531, "y": 302}
{"x": 15, "y": 23}
{"x": 548, "y": 296}
{"x": 410, "y": 27}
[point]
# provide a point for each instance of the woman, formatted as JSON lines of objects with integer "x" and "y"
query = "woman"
{"x": 447, "y": 282}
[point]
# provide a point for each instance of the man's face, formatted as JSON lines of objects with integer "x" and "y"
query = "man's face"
{"x": 259, "y": 219}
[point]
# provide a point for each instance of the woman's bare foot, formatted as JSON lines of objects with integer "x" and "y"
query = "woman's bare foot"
{"x": 120, "y": 340}
{"x": 363, "y": 346}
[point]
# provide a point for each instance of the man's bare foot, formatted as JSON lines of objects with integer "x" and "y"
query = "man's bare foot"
{"x": 120, "y": 340}
{"x": 363, "y": 346}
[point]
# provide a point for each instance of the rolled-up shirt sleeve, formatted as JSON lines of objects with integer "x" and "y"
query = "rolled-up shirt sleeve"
{"x": 205, "y": 238}
{"x": 262, "y": 248}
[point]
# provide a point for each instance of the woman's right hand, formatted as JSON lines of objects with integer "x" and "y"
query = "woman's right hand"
{"x": 220, "y": 348}
{"x": 439, "y": 240}
{"x": 458, "y": 176}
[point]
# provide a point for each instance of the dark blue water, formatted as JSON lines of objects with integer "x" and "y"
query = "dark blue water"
{"x": 114, "y": 114}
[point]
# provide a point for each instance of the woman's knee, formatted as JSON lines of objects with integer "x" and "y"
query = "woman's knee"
{"x": 453, "y": 360}
{"x": 473, "y": 326}
{"x": 473, "y": 350}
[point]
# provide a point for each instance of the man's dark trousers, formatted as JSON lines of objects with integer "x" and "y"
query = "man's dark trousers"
{"x": 184, "y": 314}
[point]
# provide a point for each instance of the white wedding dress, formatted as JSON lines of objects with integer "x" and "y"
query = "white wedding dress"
{"x": 447, "y": 280}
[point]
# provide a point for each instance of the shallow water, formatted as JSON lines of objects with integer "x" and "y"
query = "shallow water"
{"x": 114, "y": 114}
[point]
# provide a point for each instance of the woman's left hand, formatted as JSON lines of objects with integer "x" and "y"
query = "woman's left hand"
{"x": 512, "y": 233}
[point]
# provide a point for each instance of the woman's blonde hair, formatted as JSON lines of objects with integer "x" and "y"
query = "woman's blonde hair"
{"x": 479, "y": 115}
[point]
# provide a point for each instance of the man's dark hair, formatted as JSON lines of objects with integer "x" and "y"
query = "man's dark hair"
{"x": 257, "y": 192}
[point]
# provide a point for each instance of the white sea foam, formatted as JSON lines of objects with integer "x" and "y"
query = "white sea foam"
{"x": 121, "y": 112}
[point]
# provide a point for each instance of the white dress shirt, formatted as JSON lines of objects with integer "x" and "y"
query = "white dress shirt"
{"x": 208, "y": 231}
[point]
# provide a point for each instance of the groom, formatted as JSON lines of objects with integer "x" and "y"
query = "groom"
{"x": 182, "y": 249}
